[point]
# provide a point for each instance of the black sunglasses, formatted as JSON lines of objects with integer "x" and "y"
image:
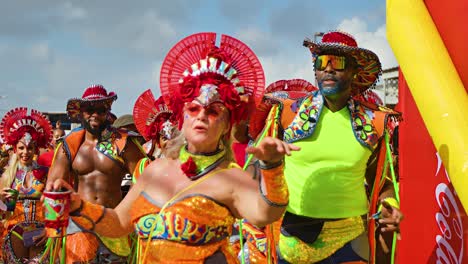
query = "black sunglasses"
{"x": 92, "y": 109}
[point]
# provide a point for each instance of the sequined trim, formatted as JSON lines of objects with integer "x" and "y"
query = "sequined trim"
{"x": 306, "y": 119}
{"x": 111, "y": 139}
{"x": 109, "y": 149}
{"x": 180, "y": 219}
{"x": 334, "y": 235}
{"x": 255, "y": 236}
{"x": 176, "y": 227}
{"x": 303, "y": 125}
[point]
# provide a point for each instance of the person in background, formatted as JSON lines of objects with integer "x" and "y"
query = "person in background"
{"x": 45, "y": 158}
{"x": 22, "y": 230}
{"x": 158, "y": 126}
{"x": 94, "y": 158}
{"x": 126, "y": 122}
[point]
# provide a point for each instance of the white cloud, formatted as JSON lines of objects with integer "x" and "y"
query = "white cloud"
{"x": 261, "y": 42}
{"x": 147, "y": 34}
{"x": 280, "y": 67}
{"x": 374, "y": 41}
{"x": 40, "y": 51}
{"x": 154, "y": 29}
{"x": 70, "y": 12}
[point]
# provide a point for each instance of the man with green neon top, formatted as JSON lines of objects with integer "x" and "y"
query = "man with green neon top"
{"x": 330, "y": 215}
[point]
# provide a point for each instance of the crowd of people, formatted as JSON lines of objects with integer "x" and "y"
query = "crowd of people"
{"x": 223, "y": 169}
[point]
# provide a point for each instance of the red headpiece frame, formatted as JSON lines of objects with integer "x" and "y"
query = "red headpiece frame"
{"x": 17, "y": 122}
{"x": 150, "y": 114}
{"x": 232, "y": 67}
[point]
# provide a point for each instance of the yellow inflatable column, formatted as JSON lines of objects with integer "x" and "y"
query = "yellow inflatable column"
{"x": 434, "y": 84}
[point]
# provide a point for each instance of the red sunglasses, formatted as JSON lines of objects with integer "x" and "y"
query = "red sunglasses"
{"x": 213, "y": 111}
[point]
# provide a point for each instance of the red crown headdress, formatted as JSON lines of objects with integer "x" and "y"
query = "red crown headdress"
{"x": 337, "y": 42}
{"x": 293, "y": 85}
{"x": 16, "y": 123}
{"x": 153, "y": 117}
{"x": 196, "y": 61}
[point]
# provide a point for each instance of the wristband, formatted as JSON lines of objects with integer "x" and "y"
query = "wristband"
{"x": 267, "y": 165}
{"x": 273, "y": 186}
{"x": 88, "y": 215}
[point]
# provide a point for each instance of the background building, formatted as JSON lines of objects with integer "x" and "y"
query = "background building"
{"x": 387, "y": 88}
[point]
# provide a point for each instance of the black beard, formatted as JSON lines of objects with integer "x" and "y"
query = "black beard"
{"x": 95, "y": 131}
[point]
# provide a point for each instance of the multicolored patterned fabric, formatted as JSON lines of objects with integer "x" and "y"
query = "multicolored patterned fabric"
{"x": 190, "y": 229}
{"x": 139, "y": 168}
{"x": 113, "y": 142}
{"x": 37, "y": 175}
{"x": 28, "y": 214}
{"x": 308, "y": 114}
{"x": 18, "y": 231}
{"x": 334, "y": 235}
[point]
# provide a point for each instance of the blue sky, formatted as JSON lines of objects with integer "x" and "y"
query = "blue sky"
{"x": 51, "y": 51}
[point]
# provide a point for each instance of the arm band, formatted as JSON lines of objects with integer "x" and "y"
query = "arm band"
{"x": 273, "y": 187}
{"x": 88, "y": 215}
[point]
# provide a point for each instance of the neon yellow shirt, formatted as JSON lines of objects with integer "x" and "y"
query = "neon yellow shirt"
{"x": 326, "y": 177}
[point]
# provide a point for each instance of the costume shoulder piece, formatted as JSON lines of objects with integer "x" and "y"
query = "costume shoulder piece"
{"x": 112, "y": 143}
{"x": 72, "y": 142}
{"x": 368, "y": 121}
{"x": 382, "y": 117}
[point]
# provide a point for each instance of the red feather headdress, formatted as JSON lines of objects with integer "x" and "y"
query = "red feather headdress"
{"x": 152, "y": 117}
{"x": 16, "y": 123}
{"x": 196, "y": 61}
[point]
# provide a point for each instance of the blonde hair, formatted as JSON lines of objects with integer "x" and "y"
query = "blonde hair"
{"x": 10, "y": 173}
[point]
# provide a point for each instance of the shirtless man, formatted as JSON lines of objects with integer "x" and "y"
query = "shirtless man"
{"x": 95, "y": 158}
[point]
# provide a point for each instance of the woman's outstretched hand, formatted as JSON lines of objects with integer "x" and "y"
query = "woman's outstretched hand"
{"x": 271, "y": 150}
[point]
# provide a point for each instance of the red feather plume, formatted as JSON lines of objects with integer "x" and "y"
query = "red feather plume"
{"x": 143, "y": 107}
{"x": 186, "y": 52}
{"x": 248, "y": 66}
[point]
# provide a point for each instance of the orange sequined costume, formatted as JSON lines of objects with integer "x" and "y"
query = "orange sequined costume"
{"x": 19, "y": 227}
{"x": 28, "y": 215}
{"x": 192, "y": 229}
